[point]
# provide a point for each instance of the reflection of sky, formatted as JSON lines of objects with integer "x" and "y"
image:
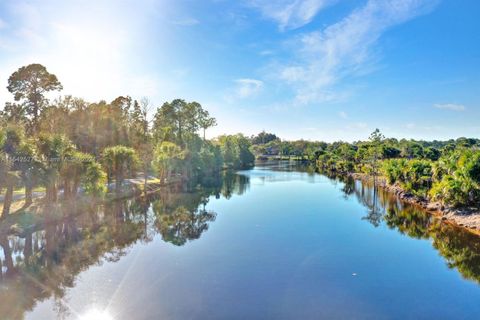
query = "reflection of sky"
{"x": 280, "y": 171}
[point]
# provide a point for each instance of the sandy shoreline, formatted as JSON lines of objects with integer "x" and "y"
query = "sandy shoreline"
{"x": 467, "y": 218}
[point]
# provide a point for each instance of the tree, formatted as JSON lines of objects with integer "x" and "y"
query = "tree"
{"x": 10, "y": 139}
{"x": 375, "y": 151}
{"x": 11, "y": 179}
{"x": 54, "y": 150}
{"x": 30, "y": 168}
{"x": 236, "y": 151}
{"x": 13, "y": 113}
{"x": 81, "y": 169}
{"x": 94, "y": 179}
{"x": 432, "y": 153}
{"x": 457, "y": 178}
{"x": 411, "y": 150}
{"x": 140, "y": 135}
{"x": 119, "y": 160}
{"x": 29, "y": 84}
{"x": 263, "y": 137}
{"x": 245, "y": 156}
{"x": 205, "y": 121}
{"x": 166, "y": 156}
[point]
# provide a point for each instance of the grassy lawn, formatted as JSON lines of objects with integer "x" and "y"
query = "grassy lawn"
{"x": 22, "y": 190}
{"x": 16, "y": 205}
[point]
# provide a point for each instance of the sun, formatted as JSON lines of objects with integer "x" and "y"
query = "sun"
{"x": 95, "y": 314}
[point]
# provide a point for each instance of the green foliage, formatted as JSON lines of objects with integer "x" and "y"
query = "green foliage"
{"x": 53, "y": 150}
{"x": 236, "y": 151}
{"x": 66, "y": 135}
{"x": 94, "y": 179}
{"x": 432, "y": 153}
{"x": 442, "y": 171}
{"x": 263, "y": 138}
{"x": 394, "y": 169}
{"x": 62, "y": 139}
{"x": 119, "y": 161}
{"x": 418, "y": 177}
{"x": 167, "y": 157}
{"x": 29, "y": 85}
{"x": 411, "y": 150}
{"x": 458, "y": 182}
{"x": 414, "y": 176}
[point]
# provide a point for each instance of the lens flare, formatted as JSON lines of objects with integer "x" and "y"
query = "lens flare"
{"x": 95, "y": 314}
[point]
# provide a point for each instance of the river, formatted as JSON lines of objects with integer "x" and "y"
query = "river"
{"x": 278, "y": 241}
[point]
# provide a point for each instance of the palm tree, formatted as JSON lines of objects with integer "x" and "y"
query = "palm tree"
{"x": 119, "y": 160}
{"x": 165, "y": 156}
{"x": 54, "y": 150}
{"x": 11, "y": 180}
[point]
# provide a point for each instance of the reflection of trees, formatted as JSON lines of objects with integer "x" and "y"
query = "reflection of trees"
{"x": 369, "y": 195}
{"x": 234, "y": 184}
{"x": 48, "y": 258}
{"x": 180, "y": 213}
{"x": 348, "y": 186}
{"x": 460, "y": 248}
{"x": 42, "y": 258}
{"x": 43, "y": 261}
{"x": 182, "y": 225}
{"x": 409, "y": 220}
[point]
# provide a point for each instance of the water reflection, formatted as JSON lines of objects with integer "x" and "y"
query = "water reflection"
{"x": 42, "y": 259}
{"x": 460, "y": 248}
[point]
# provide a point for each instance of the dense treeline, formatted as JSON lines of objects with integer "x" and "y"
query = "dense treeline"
{"x": 444, "y": 171}
{"x": 449, "y": 174}
{"x": 68, "y": 145}
{"x": 268, "y": 144}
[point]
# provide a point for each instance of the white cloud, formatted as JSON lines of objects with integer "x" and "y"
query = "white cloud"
{"x": 266, "y": 52}
{"x": 343, "y": 114}
{"x": 360, "y": 125}
{"x": 450, "y": 106}
{"x": 290, "y": 14}
{"x": 344, "y": 49}
{"x": 247, "y": 88}
{"x": 187, "y": 22}
{"x": 410, "y": 125}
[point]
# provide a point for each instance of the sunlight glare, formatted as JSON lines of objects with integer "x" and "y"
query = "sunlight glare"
{"x": 95, "y": 314}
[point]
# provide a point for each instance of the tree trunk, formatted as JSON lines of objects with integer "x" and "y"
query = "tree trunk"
{"x": 74, "y": 191}
{"x": 7, "y": 201}
{"x": 118, "y": 181}
{"x": 7, "y": 251}
{"x": 66, "y": 189}
{"x": 28, "y": 194}
{"x": 51, "y": 193}
{"x": 145, "y": 178}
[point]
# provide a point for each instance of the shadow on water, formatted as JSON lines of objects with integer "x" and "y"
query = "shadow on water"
{"x": 44, "y": 260}
{"x": 459, "y": 248}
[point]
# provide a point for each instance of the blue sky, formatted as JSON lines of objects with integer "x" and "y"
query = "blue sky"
{"x": 313, "y": 69}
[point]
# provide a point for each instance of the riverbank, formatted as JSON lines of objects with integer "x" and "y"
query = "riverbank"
{"x": 467, "y": 218}
{"x": 29, "y": 218}
{"x": 279, "y": 158}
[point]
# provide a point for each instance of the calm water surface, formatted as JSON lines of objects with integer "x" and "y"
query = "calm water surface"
{"x": 274, "y": 242}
